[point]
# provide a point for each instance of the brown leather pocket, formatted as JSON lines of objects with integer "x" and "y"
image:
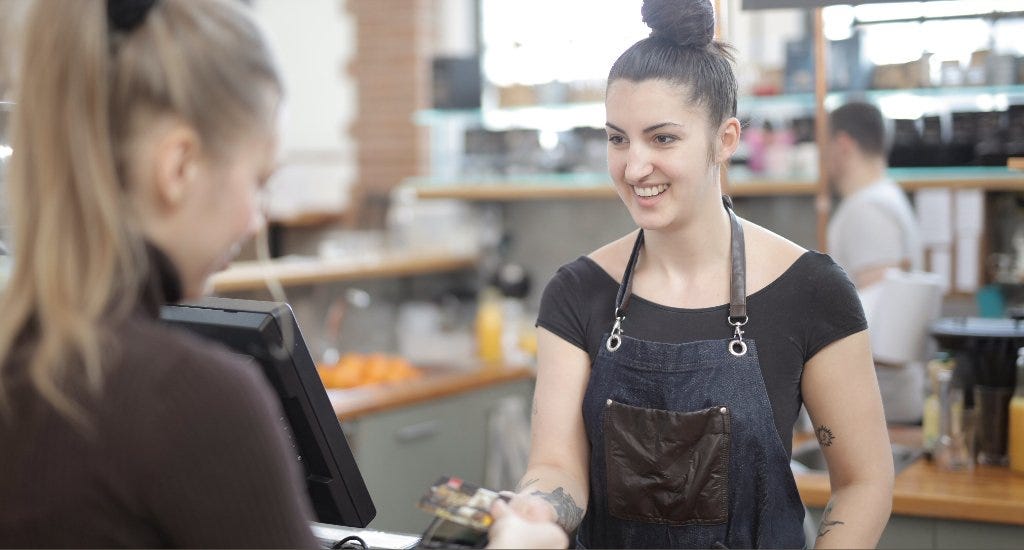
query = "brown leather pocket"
{"x": 665, "y": 466}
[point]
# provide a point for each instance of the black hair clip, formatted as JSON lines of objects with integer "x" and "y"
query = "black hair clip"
{"x": 125, "y": 15}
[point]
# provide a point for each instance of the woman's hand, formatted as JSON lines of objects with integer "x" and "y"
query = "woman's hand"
{"x": 529, "y": 522}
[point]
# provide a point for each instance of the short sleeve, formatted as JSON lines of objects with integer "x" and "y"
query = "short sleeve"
{"x": 873, "y": 239}
{"x": 834, "y": 310}
{"x": 562, "y": 310}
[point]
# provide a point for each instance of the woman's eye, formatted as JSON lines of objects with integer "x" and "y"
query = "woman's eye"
{"x": 664, "y": 139}
{"x": 616, "y": 140}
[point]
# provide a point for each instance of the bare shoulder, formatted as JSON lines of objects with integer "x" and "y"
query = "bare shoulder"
{"x": 614, "y": 256}
{"x": 769, "y": 255}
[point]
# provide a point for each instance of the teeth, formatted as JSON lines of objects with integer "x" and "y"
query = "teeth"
{"x": 649, "y": 191}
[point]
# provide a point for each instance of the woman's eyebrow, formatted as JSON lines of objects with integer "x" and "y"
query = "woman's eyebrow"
{"x": 647, "y": 130}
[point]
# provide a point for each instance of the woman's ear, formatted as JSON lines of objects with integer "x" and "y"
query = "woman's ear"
{"x": 176, "y": 165}
{"x": 728, "y": 139}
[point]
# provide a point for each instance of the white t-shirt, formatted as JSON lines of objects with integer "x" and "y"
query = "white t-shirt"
{"x": 875, "y": 226}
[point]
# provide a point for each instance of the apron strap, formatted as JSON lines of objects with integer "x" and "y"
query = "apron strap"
{"x": 738, "y": 274}
{"x": 626, "y": 288}
{"x": 737, "y": 285}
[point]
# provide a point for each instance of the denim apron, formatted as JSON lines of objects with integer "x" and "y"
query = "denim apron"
{"x": 684, "y": 449}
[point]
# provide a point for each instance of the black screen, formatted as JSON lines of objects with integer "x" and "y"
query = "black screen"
{"x": 254, "y": 328}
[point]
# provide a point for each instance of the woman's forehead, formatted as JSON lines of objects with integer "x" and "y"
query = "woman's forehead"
{"x": 651, "y": 99}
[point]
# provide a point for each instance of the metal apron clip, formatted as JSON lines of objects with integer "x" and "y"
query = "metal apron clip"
{"x": 615, "y": 340}
{"x": 737, "y": 346}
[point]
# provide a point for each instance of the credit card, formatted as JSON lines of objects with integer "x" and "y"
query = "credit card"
{"x": 460, "y": 502}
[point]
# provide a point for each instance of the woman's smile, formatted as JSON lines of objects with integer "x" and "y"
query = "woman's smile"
{"x": 649, "y": 191}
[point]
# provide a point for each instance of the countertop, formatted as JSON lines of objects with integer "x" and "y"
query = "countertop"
{"x": 987, "y": 493}
{"x": 352, "y": 403}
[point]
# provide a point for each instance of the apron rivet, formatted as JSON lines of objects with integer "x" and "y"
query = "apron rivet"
{"x": 609, "y": 402}
{"x": 723, "y": 410}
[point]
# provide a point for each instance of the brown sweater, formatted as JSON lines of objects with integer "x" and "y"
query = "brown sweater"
{"x": 187, "y": 451}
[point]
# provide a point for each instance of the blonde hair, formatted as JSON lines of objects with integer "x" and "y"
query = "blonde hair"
{"x": 85, "y": 92}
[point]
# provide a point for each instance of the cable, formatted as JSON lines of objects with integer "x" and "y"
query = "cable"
{"x": 356, "y": 543}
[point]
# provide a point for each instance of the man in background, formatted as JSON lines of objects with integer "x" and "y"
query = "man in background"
{"x": 874, "y": 229}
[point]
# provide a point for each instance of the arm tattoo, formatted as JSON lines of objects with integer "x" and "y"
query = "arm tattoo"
{"x": 569, "y": 513}
{"x": 825, "y": 436}
{"x": 525, "y": 484}
{"x": 827, "y": 523}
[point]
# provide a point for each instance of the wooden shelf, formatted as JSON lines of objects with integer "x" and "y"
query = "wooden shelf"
{"x": 310, "y": 219}
{"x": 766, "y": 188}
{"x": 355, "y": 402}
{"x": 911, "y": 179}
{"x": 525, "y": 192}
{"x": 953, "y": 183}
{"x": 250, "y": 275}
{"x": 1015, "y": 163}
{"x": 988, "y": 493}
{"x": 516, "y": 192}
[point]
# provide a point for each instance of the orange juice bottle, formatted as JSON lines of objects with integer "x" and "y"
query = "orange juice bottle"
{"x": 489, "y": 317}
{"x": 1015, "y": 446}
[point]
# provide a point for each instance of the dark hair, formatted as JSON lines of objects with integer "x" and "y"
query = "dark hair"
{"x": 681, "y": 49}
{"x": 864, "y": 124}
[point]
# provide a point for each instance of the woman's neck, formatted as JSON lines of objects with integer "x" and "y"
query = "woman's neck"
{"x": 699, "y": 247}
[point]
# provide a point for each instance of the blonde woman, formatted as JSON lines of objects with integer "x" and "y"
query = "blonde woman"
{"x": 142, "y": 135}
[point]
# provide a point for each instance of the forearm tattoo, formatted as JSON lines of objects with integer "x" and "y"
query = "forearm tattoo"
{"x": 827, "y": 523}
{"x": 825, "y": 435}
{"x": 569, "y": 513}
{"x": 525, "y": 484}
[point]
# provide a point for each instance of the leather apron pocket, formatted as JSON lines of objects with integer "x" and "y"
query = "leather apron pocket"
{"x": 667, "y": 467}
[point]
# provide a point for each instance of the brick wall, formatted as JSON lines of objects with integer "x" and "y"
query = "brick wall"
{"x": 391, "y": 71}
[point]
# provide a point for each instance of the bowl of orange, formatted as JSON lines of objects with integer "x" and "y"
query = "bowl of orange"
{"x": 364, "y": 369}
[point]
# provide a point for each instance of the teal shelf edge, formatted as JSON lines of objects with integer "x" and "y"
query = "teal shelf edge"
{"x": 601, "y": 179}
{"x": 955, "y": 172}
{"x": 591, "y": 114}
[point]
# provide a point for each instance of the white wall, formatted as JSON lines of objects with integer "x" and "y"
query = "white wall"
{"x": 313, "y": 41}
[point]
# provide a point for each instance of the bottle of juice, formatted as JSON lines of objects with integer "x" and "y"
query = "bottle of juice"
{"x": 1015, "y": 446}
{"x": 489, "y": 323}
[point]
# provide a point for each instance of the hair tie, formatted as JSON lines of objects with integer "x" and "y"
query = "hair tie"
{"x": 126, "y": 15}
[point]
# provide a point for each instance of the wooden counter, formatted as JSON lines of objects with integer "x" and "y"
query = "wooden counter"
{"x": 353, "y": 403}
{"x": 987, "y": 494}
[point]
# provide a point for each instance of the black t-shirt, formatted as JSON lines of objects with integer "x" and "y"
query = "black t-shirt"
{"x": 808, "y": 307}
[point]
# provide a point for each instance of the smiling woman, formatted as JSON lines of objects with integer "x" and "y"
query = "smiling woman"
{"x": 672, "y": 362}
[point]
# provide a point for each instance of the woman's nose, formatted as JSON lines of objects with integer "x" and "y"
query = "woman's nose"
{"x": 638, "y": 165}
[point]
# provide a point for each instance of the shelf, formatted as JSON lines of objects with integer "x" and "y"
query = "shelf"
{"x": 596, "y": 186}
{"x": 309, "y": 219}
{"x": 249, "y": 275}
{"x": 771, "y": 188}
{"x": 586, "y": 187}
{"x": 1016, "y": 163}
{"x": 440, "y": 383}
{"x": 564, "y": 116}
{"x": 516, "y": 192}
{"x": 515, "y": 188}
{"x": 989, "y": 178}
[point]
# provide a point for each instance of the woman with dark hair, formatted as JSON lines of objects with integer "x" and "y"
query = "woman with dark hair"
{"x": 673, "y": 362}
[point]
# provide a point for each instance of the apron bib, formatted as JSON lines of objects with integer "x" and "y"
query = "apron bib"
{"x": 684, "y": 449}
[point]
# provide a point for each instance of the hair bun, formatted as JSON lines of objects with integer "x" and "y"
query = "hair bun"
{"x": 688, "y": 23}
